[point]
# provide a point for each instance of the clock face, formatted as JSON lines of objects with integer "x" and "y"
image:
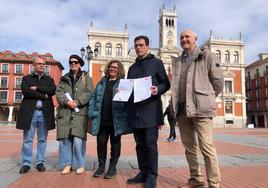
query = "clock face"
{"x": 169, "y": 34}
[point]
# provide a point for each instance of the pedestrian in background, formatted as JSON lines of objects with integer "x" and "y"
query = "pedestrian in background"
{"x": 172, "y": 123}
{"x": 72, "y": 119}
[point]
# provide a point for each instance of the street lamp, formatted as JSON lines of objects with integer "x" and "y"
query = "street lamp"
{"x": 89, "y": 54}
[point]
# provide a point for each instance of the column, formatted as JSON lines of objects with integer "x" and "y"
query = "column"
{"x": 265, "y": 120}
{"x": 10, "y": 113}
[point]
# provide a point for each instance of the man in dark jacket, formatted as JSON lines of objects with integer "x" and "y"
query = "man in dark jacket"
{"x": 146, "y": 116}
{"x": 36, "y": 112}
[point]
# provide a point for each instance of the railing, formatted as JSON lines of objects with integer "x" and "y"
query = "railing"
{"x": 3, "y": 101}
{"x": 7, "y": 123}
{"x": 3, "y": 87}
{"x": 18, "y": 100}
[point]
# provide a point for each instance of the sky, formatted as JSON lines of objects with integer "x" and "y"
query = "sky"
{"x": 60, "y": 26}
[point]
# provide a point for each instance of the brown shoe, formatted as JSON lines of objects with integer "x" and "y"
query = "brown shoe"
{"x": 192, "y": 183}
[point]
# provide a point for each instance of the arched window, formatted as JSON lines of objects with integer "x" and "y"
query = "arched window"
{"x": 218, "y": 55}
{"x": 169, "y": 22}
{"x": 98, "y": 46}
{"x": 108, "y": 49}
{"x": 166, "y": 22}
{"x": 118, "y": 50}
{"x": 227, "y": 56}
{"x": 172, "y": 22}
{"x": 236, "y": 58}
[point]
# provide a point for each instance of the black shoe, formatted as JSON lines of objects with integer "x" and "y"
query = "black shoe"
{"x": 150, "y": 182}
{"x": 41, "y": 167}
{"x": 99, "y": 171}
{"x": 24, "y": 169}
{"x": 139, "y": 178}
{"x": 111, "y": 172}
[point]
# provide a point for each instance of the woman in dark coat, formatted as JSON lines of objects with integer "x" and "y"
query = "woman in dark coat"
{"x": 72, "y": 123}
{"x": 108, "y": 118}
{"x": 172, "y": 122}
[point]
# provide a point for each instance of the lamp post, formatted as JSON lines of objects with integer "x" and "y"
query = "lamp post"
{"x": 89, "y": 54}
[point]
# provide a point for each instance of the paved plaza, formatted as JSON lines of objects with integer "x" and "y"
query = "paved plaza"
{"x": 243, "y": 158}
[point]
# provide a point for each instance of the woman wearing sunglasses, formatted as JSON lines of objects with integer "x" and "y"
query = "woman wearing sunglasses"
{"x": 72, "y": 119}
{"x": 108, "y": 118}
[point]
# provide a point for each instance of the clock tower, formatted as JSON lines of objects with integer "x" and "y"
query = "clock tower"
{"x": 168, "y": 28}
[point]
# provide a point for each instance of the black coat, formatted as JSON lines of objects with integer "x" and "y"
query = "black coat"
{"x": 45, "y": 86}
{"x": 148, "y": 113}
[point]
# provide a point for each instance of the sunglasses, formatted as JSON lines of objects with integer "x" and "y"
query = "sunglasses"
{"x": 73, "y": 62}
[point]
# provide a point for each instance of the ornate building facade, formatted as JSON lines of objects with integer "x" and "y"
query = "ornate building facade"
{"x": 231, "y": 108}
{"x": 13, "y": 66}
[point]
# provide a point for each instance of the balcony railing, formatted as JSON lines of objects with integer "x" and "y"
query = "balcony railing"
{"x": 256, "y": 75}
{"x": 18, "y": 100}
{"x": 2, "y": 101}
{"x": 17, "y": 87}
{"x": 3, "y": 87}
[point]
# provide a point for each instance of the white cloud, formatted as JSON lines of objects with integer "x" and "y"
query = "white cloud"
{"x": 60, "y": 26}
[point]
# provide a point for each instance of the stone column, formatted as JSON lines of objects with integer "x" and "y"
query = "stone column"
{"x": 10, "y": 113}
{"x": 265, "y": 120}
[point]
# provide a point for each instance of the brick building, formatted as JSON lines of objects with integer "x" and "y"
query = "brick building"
{"x": 257, "y": 91}
{"x": 13, "y": 66}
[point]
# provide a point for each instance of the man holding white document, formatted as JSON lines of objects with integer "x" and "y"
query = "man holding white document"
{"x": 145, "y": 116}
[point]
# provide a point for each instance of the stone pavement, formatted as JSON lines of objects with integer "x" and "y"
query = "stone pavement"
{"x": 243, "y": 158}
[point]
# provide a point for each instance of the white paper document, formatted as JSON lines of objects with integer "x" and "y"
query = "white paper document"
{"x": 125, "y": 88}
{"x": 142, "y": 88}
{"x": 68, "y": 96}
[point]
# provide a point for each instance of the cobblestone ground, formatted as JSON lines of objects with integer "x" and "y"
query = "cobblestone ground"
{"x": 243, "y": 157}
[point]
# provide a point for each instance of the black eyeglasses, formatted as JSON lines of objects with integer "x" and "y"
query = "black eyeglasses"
{"x": 113, "y": 67}
{"x": 73, "y": 62}
{"x": 139, "y": 45}
{"x": 43, "y": 64}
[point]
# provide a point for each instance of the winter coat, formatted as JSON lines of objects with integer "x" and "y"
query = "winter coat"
{"x": 119, "y": 110}
{"x": 204, "y": 83}
{"x": 148, "y": 113}
{"x": 68, "y": 121}
{"x": 45, "y": 86}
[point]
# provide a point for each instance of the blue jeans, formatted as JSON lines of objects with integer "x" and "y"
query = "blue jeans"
{"x": 38, "y": 122}
{"x": 72, "y": 152}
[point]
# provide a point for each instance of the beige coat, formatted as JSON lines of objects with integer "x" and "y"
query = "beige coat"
{"x": 204, "y": 83}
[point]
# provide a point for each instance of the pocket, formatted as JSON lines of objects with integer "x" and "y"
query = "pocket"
{"x": 205, "y": 101}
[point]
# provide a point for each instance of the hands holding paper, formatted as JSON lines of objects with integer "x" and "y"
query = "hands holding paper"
{"x": 71, "y": 103}
{"x": 143, "y": 89}
{"x": 154, "y": 90}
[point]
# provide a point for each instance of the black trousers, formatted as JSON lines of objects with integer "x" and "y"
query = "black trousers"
{"x": 102, "y": 139}
{"x": 172, "y": 132}
{"x": 146, "y": 148}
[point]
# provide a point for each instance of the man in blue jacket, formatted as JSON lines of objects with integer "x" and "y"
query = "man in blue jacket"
{"x": 146, "y": 116}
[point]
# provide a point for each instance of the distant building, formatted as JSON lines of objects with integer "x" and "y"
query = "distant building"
{"x": 257, "y": 91}
{"x": 231, "y": 105}
{"x": 13, "y": 66}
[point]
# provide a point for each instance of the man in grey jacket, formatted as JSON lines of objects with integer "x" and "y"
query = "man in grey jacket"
{"x": 196, "y": 81}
